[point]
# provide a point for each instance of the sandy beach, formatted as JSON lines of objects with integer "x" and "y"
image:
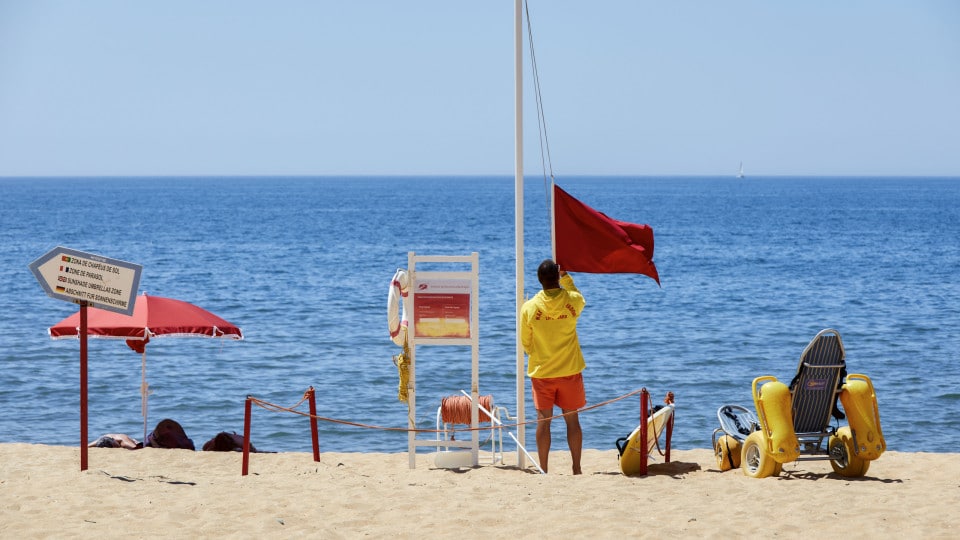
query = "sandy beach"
{"x": 179, "y": 493}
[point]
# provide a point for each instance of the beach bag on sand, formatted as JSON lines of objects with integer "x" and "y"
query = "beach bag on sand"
{"x": 226, "y": 442}
{"x": 169, "y": 434}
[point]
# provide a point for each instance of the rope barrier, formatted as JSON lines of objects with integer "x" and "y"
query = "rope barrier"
{"x": 458, "y": 410}
{"x": 273, "y": 407}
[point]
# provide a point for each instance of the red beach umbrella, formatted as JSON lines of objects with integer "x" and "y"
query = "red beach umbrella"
{"x": 153, "y": 317}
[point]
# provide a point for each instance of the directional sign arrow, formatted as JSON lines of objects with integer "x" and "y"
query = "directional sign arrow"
{"x": 74, "y": 276}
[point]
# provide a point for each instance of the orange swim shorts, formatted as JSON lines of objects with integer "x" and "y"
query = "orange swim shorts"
{"x": 564, "y": 392}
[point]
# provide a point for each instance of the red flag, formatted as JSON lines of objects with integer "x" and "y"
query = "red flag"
{"x": 590, "y": 241}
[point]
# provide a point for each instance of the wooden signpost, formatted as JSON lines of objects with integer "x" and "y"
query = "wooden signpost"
{"x": 89, "y": 280}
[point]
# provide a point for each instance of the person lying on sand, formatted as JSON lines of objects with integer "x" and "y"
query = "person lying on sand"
{"x": 169, "y": 434}
{"x": 116, "y": 440}
{"x": 226, "y": 442}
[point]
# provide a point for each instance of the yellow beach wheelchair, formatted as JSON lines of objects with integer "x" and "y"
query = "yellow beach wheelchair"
{"x": 800, "y": 421}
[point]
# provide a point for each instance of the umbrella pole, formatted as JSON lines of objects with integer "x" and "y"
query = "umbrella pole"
{"x": 144, "y": 392}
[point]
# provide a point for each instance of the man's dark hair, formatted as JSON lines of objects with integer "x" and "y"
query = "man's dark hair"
{"x": 548, "y": 272}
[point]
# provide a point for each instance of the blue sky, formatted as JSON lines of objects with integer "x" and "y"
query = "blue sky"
{"x": 636, "y": 87}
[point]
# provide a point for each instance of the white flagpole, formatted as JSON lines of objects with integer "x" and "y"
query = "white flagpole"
{"x": 518, "y": 219}
{"x": 553, "y": 221}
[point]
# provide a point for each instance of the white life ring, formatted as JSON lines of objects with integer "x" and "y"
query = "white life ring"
{"x": 397, "y": 318}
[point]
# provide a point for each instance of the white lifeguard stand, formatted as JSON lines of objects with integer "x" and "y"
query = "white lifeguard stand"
{"x": 446, "y": 311}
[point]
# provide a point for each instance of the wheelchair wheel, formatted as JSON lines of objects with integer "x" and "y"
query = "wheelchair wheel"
{"x": 755, "y": 461}
{"x": 727, "y": 452}
{"x": 843, "y": 458}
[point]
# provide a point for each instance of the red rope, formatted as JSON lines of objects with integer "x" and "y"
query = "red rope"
{"x": 457, "y": 409}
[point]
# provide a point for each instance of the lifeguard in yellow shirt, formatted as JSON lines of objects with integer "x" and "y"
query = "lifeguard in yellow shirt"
{"x": 548, "y": 332}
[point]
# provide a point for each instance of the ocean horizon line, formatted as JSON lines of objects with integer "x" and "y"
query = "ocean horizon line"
{"x": 468, "y": 176}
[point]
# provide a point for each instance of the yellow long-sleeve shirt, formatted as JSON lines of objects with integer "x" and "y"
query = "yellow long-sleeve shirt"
{"x": 548, "y": 331}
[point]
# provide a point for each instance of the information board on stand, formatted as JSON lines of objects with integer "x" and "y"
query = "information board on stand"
{"x": 445, "y": 313}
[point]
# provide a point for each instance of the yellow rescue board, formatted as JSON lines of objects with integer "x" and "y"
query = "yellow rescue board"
{"x": 630, "y": 461}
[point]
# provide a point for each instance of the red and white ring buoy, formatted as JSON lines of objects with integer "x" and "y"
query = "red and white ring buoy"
{"x": 397, "y": 317}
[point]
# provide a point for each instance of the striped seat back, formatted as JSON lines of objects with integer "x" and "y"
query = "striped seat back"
{"x": 815, "y": 385}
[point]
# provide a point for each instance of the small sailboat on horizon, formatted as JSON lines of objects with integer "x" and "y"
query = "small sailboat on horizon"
{"x": 740, "y": 174}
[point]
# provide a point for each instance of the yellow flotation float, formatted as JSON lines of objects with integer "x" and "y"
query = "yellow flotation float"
{"x": 772, "y": 399}
{"x": 854, "y": 446}
{"x": 860, "y": 403}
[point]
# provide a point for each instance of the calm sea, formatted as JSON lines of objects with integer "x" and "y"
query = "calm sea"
{"x": 751, "y": 269}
